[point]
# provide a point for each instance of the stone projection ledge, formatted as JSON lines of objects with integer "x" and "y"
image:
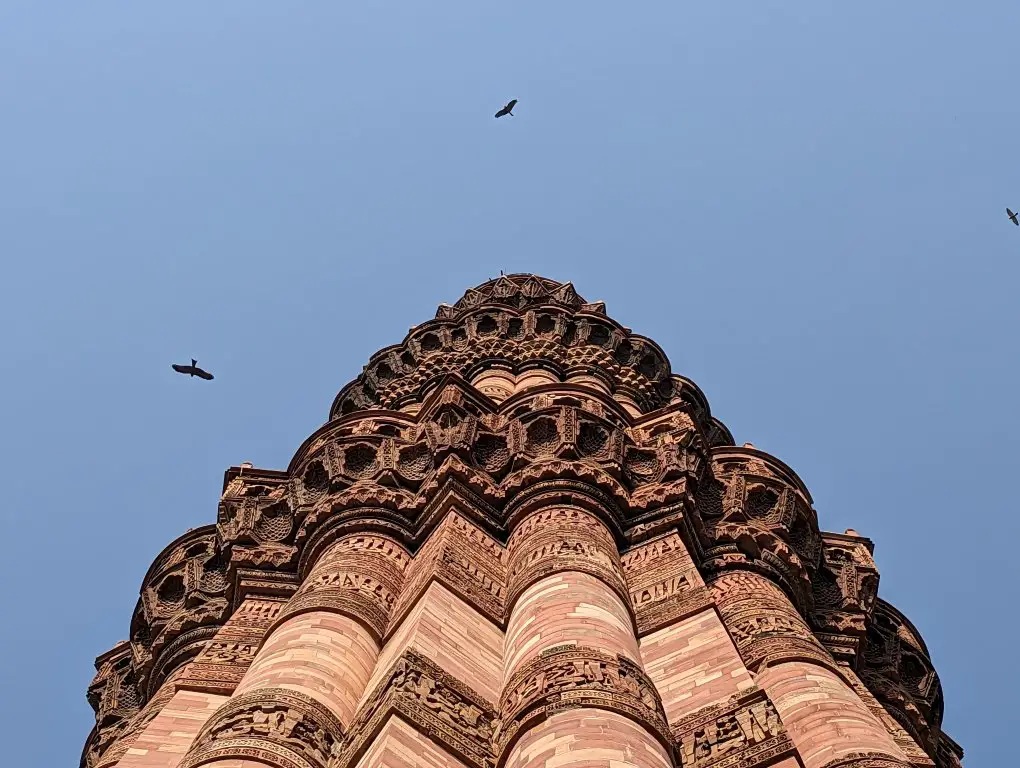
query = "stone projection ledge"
{"x": 520, "y": 539}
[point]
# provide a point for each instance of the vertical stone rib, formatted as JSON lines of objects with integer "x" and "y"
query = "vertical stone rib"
{"x": 588, "y": 738}
{"x": 302, "y": 689}
{"x": 325, "y": 655}
{"x": 567, "y": 607}
{"x": 165, "y": 739}
{"x": 124, "y": 751}
{"x": 573, "y": 686}
{"x": 824, "y": 716}
{"x": 685, "y": 648}
{"x": 565, "y": 585}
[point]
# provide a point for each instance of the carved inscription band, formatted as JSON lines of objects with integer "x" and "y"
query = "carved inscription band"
{"x": 286, "y": 729}
{"x": 746, "y": 730}
{"x": 439, "y": 705}
{"x": 570, "y": 676}
{"x": 866, "y": 760}
{"x": 562, "y": 539}
{"x": 464, "y": 559}
{"x": 764, "y": 625}
{"x": 664, "y": 584}
{"x": 359, "y": 576}
{"x": 223, "y": 663}
{"x": 282, "y": 728}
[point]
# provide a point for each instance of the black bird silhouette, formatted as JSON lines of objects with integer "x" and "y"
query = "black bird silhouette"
{"x": 508, "y": 109}
{"x": 192, "y": 370}
{"x": 1012, "y": 217}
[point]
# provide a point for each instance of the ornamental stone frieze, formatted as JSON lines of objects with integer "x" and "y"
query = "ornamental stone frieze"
{"x": 572, "y": 676}
{"x": 519, "y": 537}
{"x": 745, "y": 730}
{"x": 274, "y": 726}
{"x": 443, "y": 708}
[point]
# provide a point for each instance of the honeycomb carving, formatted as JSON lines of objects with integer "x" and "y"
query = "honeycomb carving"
{"x": 545, "y": 325}
{"x": 762, "y": 505}
{"x": 316, "y": 479}
{"x": 274, "y": 523}
{"x": 642, "y": 463}
{"x": 592, "y": 439}
{"x": 171, "y": 590}
{"x": 710, "y": 499}
{"x": 487, "y": 325}
{"x": 517, "y": 319}
{"x": 543, "y": 436}
{"x": 898, "y": 671}
{"x": 827, "y": 591}
{"x": 415, "y": 461}
{"x": 183, "y": 591}
{"x": 430, "y": 343}
{"x": 491, "y": 452}
{"x": 360, "y": 460}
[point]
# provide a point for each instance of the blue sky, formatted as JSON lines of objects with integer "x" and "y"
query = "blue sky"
{"x": 802, "y": 202}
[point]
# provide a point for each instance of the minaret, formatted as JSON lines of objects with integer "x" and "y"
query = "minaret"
{"x": 519, "y": 540}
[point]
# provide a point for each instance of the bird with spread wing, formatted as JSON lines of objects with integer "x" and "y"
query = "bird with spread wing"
{"x": 192, "y": 370}
{"x": 508, "y": 109}
{"x": 1012, "y": 217}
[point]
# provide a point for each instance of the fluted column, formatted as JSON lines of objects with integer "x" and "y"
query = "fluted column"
{"x": 573, "y": 686}
{"x": 300, "y": 693}
{"x": 826, "y": 719}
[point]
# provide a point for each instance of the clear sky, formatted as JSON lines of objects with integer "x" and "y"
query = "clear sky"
{"x": 802, "y": 202}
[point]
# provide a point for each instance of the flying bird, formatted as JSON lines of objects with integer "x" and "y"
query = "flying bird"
{"x": 1012, "y": 217}
{"x": 508, "y": 109}
{"x": 192, "y": 370}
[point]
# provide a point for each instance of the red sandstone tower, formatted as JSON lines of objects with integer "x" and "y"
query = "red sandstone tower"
{"x": 520, "y": 540}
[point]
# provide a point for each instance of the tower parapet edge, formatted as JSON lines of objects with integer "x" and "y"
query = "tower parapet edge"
{"x": 563, "y": 443}
{"x": 184, "y": 599}
{"x": 518, "y": 322}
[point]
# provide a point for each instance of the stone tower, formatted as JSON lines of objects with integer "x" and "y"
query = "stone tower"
{"x": 519, "y": 540}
